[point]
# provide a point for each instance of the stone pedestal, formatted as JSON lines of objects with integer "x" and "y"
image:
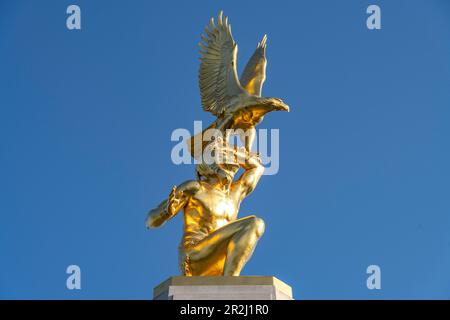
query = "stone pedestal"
{"x": 223, "y": 288}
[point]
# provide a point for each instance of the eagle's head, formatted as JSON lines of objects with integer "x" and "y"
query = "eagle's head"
{"x": 273, "y": 104}
{"x": 253, "y": 110}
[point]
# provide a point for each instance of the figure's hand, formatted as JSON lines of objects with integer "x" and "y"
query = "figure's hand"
{"x": 254, "y": 157}
{"x": 245, "y": 158}
{"x": 241, "y": 155}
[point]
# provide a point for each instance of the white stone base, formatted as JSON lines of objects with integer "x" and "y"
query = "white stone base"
{"x": 222, "y": 288}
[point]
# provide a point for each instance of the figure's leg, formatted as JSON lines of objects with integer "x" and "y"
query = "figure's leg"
{"x": 237, "y": 240}
{"x": 241, "y": 246}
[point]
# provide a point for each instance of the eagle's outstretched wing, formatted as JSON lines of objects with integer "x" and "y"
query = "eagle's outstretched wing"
{"x": 254, "y": 74}
{"x": 218, "y": 78}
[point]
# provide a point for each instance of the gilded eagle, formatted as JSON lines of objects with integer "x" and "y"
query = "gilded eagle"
{"x": 237, "y": 103}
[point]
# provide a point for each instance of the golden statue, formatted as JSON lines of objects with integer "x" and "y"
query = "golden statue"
{"x": 215, "y": 242}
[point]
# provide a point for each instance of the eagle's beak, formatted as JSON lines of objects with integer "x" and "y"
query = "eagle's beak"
{"x": 281, "y": 106}
{"x": 285, "y": 107}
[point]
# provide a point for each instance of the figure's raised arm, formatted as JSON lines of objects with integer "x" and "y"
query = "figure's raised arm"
{"x": 247, "y": 182}
{"x": 176, "y": 201}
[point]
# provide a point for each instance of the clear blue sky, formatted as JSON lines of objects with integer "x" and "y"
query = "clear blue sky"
{"x": 86, "y": 118}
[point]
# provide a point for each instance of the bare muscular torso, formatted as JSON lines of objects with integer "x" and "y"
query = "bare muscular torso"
{"x": 208, "y": 210}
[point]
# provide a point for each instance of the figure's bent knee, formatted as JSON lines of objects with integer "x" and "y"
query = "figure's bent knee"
{"x": 257, "y": 225}
{"x": 260, "y": 227}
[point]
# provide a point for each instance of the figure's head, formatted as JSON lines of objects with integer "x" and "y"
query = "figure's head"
{"x": 224, "y": 173}
{"x": 221, "y": 165}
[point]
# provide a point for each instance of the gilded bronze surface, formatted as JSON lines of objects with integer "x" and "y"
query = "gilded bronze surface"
{"x": 215, "y": 241}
